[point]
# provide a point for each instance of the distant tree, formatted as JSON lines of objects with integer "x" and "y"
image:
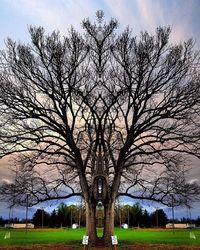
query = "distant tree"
{"x": 185, "y": 220}
{"x": 81, "y": 212}
{"x": 117, "y": 213}
{"x": 53, "y": 219}
{"x": 2, "y": 221}
{"x": 159, "y": 218}
{"x": 24, "y": 220}
{"x": 146, "y": 219}
{"x": 197, "y": 221}
{"x": 126, "y": 214}
{"x": 64, "y": 215}
{"x": 133, "y": 215}
{"x": 74, "y": 211}
{"x": 14, "y": 220}
{"x": 40, "y": 218}
{"x": 136, "y": 215}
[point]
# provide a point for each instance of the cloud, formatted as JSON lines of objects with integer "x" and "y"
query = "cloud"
{"x": 123, "y": 11}
{"x": 5, "y": 172}
{"x": 146, "y": 13}
{"x": 139, "y": 14}
{"x": 5, "y": 180}
{"x": 55, "y": 14}
{"x": 193, "y": 181}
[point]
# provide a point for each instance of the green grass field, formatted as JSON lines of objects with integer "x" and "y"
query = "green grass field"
{"x": 125, "y": 236}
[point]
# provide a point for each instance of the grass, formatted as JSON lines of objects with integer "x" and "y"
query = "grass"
{"x": 125, "y": 236}
{"x": 20, "y": 237}
{"x": 179, "y": 237}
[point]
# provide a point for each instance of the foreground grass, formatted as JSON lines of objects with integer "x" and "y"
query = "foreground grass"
{"x": 125, "y": 236}
{"x": 20, "y": 237}
{"x": 179, "y": 237}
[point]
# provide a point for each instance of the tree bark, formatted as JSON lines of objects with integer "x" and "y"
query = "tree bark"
{"x": 108, "y": 222}
{"x": 91, "y": 223}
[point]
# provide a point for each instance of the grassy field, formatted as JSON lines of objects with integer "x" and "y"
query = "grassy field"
{"x": 179, "y": 237}
{"x": 125, "y": 236}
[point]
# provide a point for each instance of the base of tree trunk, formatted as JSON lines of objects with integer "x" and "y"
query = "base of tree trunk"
{"x": 100, "y": 242}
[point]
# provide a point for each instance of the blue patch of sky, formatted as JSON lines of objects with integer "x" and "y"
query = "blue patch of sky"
{"x": 12, "y": 24}
{"x": 184, "y": 14}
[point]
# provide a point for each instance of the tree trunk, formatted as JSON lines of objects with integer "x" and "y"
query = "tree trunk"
{"x": 91, "y": 223}
{"x": 108, "y": 222}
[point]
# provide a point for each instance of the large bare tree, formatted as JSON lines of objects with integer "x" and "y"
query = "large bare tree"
{"x": 100, "y": 115}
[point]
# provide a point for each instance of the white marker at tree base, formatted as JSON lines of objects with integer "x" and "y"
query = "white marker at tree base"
{"x": 85, "y": 241}
{"x": 114, "y": 241}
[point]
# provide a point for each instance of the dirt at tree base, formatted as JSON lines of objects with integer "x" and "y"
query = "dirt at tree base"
{"x": 131, "y": 247}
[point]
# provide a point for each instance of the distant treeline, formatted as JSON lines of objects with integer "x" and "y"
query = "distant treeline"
{"x": 66, "y": 215}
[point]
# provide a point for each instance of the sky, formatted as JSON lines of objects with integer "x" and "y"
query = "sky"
{"x": 17, "y": 15}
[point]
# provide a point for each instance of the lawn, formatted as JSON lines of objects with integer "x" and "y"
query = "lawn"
{"x": 35, "y": 236}
{"x": 74, "y": 236}
{"x": 179, "y": 237}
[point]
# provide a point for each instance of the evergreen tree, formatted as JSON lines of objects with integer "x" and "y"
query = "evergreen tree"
{"x": 53, "y": 219}
{"x": 64, "y": 215}
{"x": 135, "y": 215}
{"x": 40, "y": 218}
{"x": 146, "y": 220}
{"x": 2, "y": 221}
{"x": 159, "y": 218}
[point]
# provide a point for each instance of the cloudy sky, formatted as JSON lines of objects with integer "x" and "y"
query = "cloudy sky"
{"x": 182, "y": 15}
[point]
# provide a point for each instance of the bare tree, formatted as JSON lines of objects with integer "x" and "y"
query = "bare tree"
{"x": 100, "y": 115}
